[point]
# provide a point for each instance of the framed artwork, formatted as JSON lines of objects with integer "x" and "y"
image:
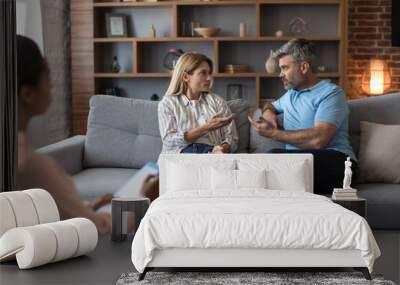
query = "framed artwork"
{"x": 116, "y": 25}
{"x": 233, "y": 92}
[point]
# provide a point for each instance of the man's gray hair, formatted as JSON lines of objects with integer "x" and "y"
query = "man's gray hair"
{"x": 299, "y": 49}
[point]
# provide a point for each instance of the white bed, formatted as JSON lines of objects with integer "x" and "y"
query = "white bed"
{"x": 247, "y": 210}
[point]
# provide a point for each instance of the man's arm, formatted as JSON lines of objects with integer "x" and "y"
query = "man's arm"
{"x": 269, "y": 114}
{"x": 270, "y": 107}
{"x": 313, "y": 138}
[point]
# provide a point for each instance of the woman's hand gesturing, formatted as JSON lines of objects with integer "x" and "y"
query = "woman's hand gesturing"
{"x": 218, "y": 121}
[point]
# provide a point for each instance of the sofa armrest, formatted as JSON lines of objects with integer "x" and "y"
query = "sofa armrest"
{"x": 68, "y": 153}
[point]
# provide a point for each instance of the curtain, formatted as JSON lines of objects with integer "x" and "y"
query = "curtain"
{"x": 56, "y": 43}
{"x": 8, "y": 96}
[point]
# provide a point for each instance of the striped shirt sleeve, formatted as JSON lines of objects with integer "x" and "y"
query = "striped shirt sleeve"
{"x": 171, "y": 136}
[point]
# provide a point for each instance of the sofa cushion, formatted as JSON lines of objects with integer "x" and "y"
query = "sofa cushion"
{"x": 379, "y": 155}
{"x": 241, "y": 108}
{"x": 93, "y": 182}
{"x": 121, "y": 132}
{"x": 383, "y": 205}
{"x": 260, "y": 144}
{"x": 384, "y": 109}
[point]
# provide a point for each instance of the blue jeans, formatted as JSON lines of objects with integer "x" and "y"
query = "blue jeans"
{"x": 197, "y": 148}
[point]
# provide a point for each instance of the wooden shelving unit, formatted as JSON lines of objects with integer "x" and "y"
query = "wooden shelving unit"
{"x": 213, "y": 39}
{"x": 141, "y": 57}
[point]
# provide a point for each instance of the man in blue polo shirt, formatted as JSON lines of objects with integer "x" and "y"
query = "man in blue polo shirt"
{"x": 315, "y": 116}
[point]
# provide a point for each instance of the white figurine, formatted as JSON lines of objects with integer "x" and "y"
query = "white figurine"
{"x": 347, "y": 174}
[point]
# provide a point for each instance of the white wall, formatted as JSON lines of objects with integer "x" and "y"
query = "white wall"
{"x": 29, "y": 23}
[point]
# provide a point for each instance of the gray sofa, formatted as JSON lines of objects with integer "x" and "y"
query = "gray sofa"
{"x": 123, "y": 135}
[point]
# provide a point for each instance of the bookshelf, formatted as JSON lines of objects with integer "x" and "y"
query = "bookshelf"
{"x": 141, "y": 57}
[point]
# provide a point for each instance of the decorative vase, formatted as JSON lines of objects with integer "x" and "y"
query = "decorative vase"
{"x": 115, "y": 65}
{"x": 152, "y": 32}
{"x": 242, "y": 29}
{"x": 155, "y": 97}
{"x": 271, "y": 65}
{"x": 279, "y": 33}
{"x": 171, "y": 58}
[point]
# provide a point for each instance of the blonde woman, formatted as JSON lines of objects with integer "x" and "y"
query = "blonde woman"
{"x": 191, "y": 118}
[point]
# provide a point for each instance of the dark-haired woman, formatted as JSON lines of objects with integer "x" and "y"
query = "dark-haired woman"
{"x": 39, "y": 171}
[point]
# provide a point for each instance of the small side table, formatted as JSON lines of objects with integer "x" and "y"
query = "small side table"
{"x": 358, "y": 205}
{"x": 119, "y": 210}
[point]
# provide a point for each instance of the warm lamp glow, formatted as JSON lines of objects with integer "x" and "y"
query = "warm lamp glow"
{"x": 376, "y": 79}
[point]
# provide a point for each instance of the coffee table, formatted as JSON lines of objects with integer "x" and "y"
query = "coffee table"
{"x": 104, "y": 265}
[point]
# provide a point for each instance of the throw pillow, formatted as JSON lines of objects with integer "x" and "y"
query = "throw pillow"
{"x": 222, "y": 179}
{"x": 241, "y": 108}
{"x": 251, "y": 179}
{"x": 121, "y": 132}
{"x": 281, "y": 174}
{"x": 193, "y": 175}
{"x": 379, "y": 156}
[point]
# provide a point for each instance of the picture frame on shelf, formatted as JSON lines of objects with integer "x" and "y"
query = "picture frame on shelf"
{"x": 234, "y": 92}
{"x": 116, "y": 25}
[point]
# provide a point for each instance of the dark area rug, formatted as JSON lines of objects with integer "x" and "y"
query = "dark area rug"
{"x": 229, "y": 278}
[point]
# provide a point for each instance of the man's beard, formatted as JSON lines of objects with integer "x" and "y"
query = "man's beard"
{"x": 288, "y": 85}
{"x": 293, "y": 83}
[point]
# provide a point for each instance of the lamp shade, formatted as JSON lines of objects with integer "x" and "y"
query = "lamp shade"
{"x": 376, "y": 78}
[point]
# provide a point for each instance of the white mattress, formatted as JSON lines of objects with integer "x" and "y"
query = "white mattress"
{"x": 252, "y": 218}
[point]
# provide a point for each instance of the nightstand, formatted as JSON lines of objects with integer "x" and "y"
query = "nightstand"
{"x": 120, "y": 208}
{"x": 358, "y": 205}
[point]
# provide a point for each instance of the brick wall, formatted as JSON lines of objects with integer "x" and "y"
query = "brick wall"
{"x": 369, "y": 36}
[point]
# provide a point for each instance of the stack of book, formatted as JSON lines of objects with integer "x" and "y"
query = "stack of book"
{"x": 344, "y": 194}
{"x": 236, "y": 68}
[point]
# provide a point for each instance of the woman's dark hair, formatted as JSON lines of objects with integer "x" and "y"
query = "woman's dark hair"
{"x": 30, "y": 63}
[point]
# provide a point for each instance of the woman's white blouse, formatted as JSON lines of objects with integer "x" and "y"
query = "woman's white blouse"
{"x": 178, "y": 114}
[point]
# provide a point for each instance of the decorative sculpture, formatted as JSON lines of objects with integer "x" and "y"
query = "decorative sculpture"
{"x": 347, "y": 174}
{"x": 115, "y": 65}
{"x": 272, "y": 65}
{"x": 298, "y": 26}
